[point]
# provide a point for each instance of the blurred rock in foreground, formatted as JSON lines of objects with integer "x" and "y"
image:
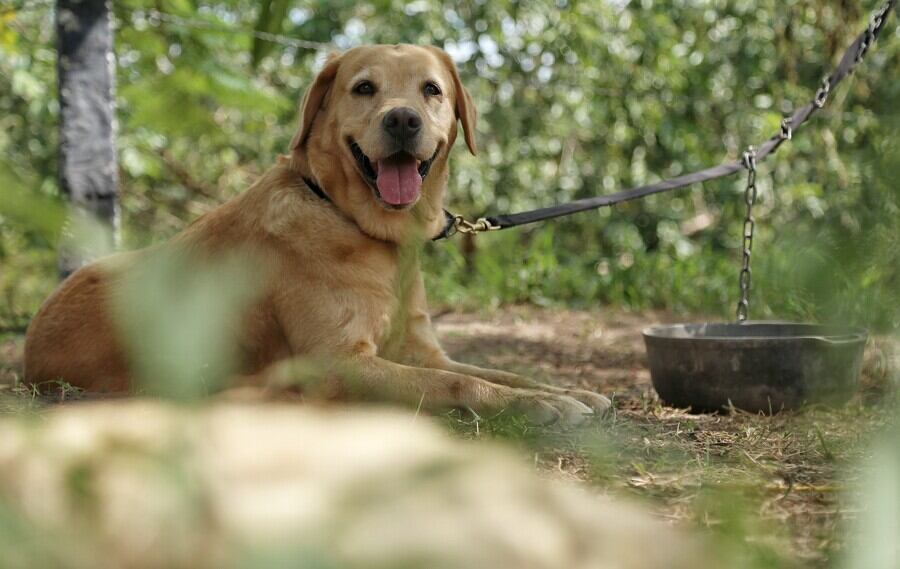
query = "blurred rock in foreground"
{"x": 146, "y": 484}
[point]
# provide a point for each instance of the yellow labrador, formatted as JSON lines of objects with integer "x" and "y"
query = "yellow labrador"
{"x": 365, "y": 176}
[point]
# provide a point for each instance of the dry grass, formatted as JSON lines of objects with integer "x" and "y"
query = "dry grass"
{"x": 774, "y": 490}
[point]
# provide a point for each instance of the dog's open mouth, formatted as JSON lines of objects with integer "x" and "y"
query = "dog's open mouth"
{"x": 397, "y": 179}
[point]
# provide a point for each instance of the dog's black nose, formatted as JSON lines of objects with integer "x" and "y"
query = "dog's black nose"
{"x": 402, "y": 123}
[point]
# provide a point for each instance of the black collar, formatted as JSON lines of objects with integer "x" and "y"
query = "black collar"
{"x": 449, "y": 224}
{"x": 316, "y": 189}
{"x": 449, "y": 227}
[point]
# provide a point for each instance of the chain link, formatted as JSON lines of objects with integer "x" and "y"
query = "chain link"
{"x": 787, "y": 128}
{"x": 750, "y": 193}
{"x": 822, "y": 93}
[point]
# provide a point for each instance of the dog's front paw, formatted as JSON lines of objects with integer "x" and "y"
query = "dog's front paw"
{"x": 544, "y": 409}
{"x": 599, "y": 403}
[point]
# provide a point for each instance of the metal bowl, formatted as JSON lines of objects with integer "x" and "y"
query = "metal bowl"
{"x": 755, "y": 366}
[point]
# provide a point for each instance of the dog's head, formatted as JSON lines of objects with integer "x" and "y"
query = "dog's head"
{"x": 377, "y": 125}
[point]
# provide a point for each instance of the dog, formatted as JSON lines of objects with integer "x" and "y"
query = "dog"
{"x": 365, "y": 176}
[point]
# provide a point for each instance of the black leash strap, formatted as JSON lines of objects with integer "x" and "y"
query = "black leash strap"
{"x": 852, "y": 56}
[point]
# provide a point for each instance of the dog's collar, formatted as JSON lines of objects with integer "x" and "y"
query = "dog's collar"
{"x": 316, "y": 189}
{"x": 447, "y": 230}
{"x": 449, "y": 227}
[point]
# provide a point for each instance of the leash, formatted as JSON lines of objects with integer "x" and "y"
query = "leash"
{"x": 851, "y": 58}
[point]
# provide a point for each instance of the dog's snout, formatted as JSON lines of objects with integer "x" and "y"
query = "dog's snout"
{"x": 402, "y": 123}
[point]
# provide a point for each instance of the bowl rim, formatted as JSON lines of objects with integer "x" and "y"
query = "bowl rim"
{"x": 840, "y": 334}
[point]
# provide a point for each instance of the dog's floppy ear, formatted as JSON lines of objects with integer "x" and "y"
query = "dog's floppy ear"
{"x": 314, "y": 99}
{"x": 465, "y": 107}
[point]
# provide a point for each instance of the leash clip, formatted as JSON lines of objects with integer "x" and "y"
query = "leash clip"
{"x": 462, "y": 225}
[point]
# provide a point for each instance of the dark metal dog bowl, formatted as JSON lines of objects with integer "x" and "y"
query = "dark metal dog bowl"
{"x": 756, "y": 366}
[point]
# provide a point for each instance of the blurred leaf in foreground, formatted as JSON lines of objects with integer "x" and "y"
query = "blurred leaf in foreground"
{"x": 180, "y": 316}
{"x": 878, "y": 526}
{"x": 21, "y": 205}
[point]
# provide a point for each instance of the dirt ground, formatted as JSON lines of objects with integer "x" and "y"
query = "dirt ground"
{"x": 784, "y": 485}
{"x": 778, "y": 489}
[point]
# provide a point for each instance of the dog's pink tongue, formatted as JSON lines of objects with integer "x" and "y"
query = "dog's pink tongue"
{"x": 398, "y": 180}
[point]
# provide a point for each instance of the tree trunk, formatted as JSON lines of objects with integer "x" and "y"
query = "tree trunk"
{"x": 87, "y": 159}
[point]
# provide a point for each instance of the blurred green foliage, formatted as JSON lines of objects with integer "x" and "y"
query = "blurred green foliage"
{"x": 180, "y": 316}
{"x": 576, "y": 98}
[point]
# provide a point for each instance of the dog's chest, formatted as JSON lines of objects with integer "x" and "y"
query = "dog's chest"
{"x": 341, "y": 293}
{"x": 371, "y": 279}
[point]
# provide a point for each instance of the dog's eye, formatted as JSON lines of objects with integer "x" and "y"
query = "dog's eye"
{"x": 364, "y": 88}
{"x": 431, "y": 89}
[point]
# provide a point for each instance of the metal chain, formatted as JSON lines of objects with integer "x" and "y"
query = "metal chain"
{"x": 743, "y": 307}
{"x": 786, "y": 133}
{"x": 875, "y": 24}
{"x": 871, "y": 33}
{"x": 154, "y": 17}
